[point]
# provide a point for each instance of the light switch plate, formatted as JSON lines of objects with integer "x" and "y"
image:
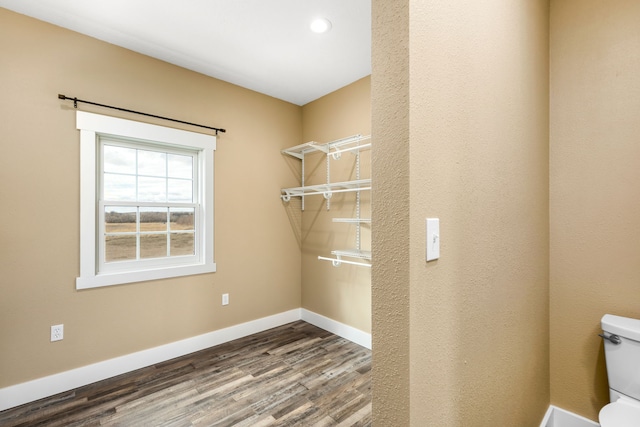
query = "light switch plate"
{"x": 433, "y": 239}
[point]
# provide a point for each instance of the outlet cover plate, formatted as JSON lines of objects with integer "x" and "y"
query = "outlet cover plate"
{"x": 57, "y": 332}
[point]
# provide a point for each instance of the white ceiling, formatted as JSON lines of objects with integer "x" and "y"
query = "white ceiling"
{"x": 263, "y": 45}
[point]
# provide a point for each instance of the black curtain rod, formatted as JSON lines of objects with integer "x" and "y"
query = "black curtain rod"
{"x": 76, "y": 100}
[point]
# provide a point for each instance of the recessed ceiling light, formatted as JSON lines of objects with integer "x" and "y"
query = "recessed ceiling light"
{"x": 320, "y": 25}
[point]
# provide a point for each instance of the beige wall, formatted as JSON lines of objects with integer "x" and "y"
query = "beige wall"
{"x": 340, "y": 293}
{"x": 460, "y": 120}
{"x": 257, "y": 253}
{"x": 595, "y": 207}
{"x": 390, "y": 279}
{"x": 459, "y": 110}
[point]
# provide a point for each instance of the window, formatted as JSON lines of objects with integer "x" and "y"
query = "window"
{"x": 146, "y": 202}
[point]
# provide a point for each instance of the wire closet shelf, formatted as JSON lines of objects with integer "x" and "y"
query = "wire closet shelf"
{"x": 334, "y": 151}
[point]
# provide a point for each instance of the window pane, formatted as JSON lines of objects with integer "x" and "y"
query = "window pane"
{"x": 180, "y": 166}
{"x": 153, "y": 245}
{"x": 119, "y": 159}
{"x": 152, "y": 189}
{"x": 182, "y": 219}
{"x": 119, "y": 248}
{"x": 153, "y": 219}
{"x": 182, "y": 244}
{"x": 180, "y": 190}
{"x": 119, "y": 187}
{"x": 152, "y": 163}
{"x": 119, "y": 219}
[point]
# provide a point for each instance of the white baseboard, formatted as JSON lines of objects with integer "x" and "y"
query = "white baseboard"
{"x": 558, "y": 417}
{"x": 345, "y": 331}
{"x": 30, "y": 391}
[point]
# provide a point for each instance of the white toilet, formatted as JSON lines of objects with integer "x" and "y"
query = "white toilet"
{"x": 621, "y": 337}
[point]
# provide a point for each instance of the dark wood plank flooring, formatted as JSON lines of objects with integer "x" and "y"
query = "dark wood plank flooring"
{"x": 293, "y": 375}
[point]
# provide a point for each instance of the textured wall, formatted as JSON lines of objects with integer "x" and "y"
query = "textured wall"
{"x": 465, "y": 131}
{"x": 390, "y": 212}
{"x": 340, "y": 293}
{"x": 595, "y": 203}
{"x": 257, "y": 254}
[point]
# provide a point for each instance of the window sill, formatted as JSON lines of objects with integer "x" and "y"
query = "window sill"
{"x": 121, "y": 278}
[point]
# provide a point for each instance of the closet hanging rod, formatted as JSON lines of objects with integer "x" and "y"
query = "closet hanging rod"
{"x": 353, "y": 220}
{"x": 336, "y": 262}
{"x": 326, "y": 193}
{"x": 358, "y": 138}
{"x": 76, "y": 100}
{"x": 356, "y": 148}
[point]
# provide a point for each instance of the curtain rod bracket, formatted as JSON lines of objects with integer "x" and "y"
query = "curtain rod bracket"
{"x": 76, "y": 100}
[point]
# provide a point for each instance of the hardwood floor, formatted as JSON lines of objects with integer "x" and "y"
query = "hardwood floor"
{"x": 293, "y": 375}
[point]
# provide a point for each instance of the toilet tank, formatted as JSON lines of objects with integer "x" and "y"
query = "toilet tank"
{"x": 623, "y": 360}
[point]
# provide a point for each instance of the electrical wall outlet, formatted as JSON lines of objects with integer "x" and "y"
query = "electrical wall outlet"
{"x": 225, "y": 299}
{"x": 57, "y": 332}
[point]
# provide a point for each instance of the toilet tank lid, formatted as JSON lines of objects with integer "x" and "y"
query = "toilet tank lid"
{"x": 624, "y": 326}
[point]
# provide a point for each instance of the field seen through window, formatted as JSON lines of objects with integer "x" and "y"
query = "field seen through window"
{"x": 158, "y": 237}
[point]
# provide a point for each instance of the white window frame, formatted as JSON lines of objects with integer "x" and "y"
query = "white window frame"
{"x": 92, "y": 127}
